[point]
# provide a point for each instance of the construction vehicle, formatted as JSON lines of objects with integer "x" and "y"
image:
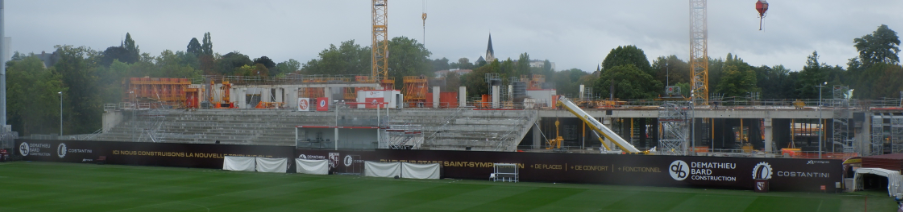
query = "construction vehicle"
{"x": 598, "y": 128}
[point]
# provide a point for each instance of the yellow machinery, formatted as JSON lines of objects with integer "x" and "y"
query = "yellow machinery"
{"x": 224, "y": 95}
{"x": 555, "y": 143}
{"x": 598, "y": 128}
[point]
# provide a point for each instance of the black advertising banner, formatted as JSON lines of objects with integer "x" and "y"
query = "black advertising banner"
{"x": 144, "y": 153}
{"x": 651, "y": 170}
{"x": 776, "y": 174}
{"x": 58, "y": 151}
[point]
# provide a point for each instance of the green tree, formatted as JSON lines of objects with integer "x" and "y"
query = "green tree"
{"x": 523, "y": 65}
{"x": 32, "y": 96}
{"x": 207, "y": 45}
{"x": 440, "y": 64}
{"x": 452, "y": 81}
{"x": 775, "y": 82}
{"x": 810, "y": 78}
{"x": 547, "y": 67}
{"x": 881, "y": 46}
{"x": 347, "y": 58}
{"x": 881, "y": 80}
{"x": 624, "y": 55}
{"x": 291, "y": 65}
{"x": 671, "y": 70}
{"x": 476, "y": 81}
{"x": 194, "y": 47}
{"x": 407, "y": 58}
{"x": 266, "y": 61}
{"x": 77, "y": 65}
{"x": 132, "y": 51}
{"x": 629, "y": 82}
{"x": 207, "y": 59}
{"x": 231, "y": 61}
{"x": 170, "y": 64}
{"x": 464, "y": 63}
{"x": 567, "y": 82}
{"x": 117, "y": 53}
{"x": 738, "y": 80}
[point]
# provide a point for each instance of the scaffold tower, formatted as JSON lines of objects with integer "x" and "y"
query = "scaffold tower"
{"x": 674, "y": 120}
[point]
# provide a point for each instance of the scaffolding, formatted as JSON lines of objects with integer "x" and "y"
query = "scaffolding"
{"x": 674, "y": 120}
{"x": 403, "y": 137}
{"x": 415, "y": 89}
{"x": 170, "y": 91}
{"x": 887, "y": 131}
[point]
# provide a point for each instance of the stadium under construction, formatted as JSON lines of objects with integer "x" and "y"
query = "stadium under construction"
{"x": 340, "y": 112}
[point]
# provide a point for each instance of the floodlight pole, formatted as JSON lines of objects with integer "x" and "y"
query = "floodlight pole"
{"x": 61, "y": 112}
{"x": 821, "y": 135}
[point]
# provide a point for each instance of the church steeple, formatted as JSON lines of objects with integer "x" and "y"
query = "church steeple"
{"x": 490, "y": 54}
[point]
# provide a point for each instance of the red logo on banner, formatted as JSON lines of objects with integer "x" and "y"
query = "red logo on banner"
{"x": 303, "y": 104}
{"x": 373, "y": 102}
{"x": 322, "y": 104}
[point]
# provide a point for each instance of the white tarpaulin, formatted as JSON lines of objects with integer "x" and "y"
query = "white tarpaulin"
{"x": 320, "y": 167}
{"x": 277, "y": 165}
{"x": 233, "y": 163}
{"x": 377, "y": 169}
{"x": 894, "y": 179}
{"x": 420, "y": 171}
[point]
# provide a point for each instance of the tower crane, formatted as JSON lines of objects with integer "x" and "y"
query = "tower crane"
{"x": 699, "y": 60}
{"x": 379, "y": 57}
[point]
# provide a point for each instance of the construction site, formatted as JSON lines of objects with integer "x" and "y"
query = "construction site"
{"x": 346, "y": 112}
{"x": 515, "y": 128}
{"x": 517, "y": 114}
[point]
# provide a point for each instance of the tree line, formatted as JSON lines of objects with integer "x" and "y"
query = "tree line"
{"x": 88, "y": 78}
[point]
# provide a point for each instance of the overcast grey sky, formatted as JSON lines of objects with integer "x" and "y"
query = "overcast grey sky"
{"x": 573, "y": 34}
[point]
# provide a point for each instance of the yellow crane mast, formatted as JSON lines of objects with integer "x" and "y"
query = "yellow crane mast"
{"x": 699, "y": 60}
{"x": 379, "y": 56}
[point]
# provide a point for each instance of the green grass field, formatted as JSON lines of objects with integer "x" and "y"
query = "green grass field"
{"x": 34, "y": 186}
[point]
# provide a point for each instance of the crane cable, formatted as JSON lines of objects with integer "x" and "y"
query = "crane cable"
{"x": 424, "y": 22}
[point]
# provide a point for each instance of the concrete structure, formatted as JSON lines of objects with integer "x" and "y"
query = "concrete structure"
{"x": 447, "y": 129}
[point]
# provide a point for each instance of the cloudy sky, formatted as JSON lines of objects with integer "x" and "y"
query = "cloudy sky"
{"x": 573, "y": 34}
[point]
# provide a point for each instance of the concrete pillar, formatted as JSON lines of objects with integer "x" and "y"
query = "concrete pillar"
{"x": 769, "y": 136}
{"x": 864, "y": 137}
{"x": 537, "y": 136}
{"x": 608, "y": 123}
{"x": 510, "y": 92}
{"x": 495, "y": 96}
{"x": 292, "y": 98}
{"x": 242, "y": 98}
{"x": 581, "y": 92}
{"x": 327, "y": 92}
{"x": 435, "y": 96}
{"x": 462, "y": 96}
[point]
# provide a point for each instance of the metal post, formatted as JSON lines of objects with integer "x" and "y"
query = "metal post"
{"x": 693, "y": 125}
{"x": 3, "y": 56}
{"x": 336, "y": 131}
{"x": 61, "y": 112}
{"x": 821, "y": 134}
{"x": 378, "y": 105}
